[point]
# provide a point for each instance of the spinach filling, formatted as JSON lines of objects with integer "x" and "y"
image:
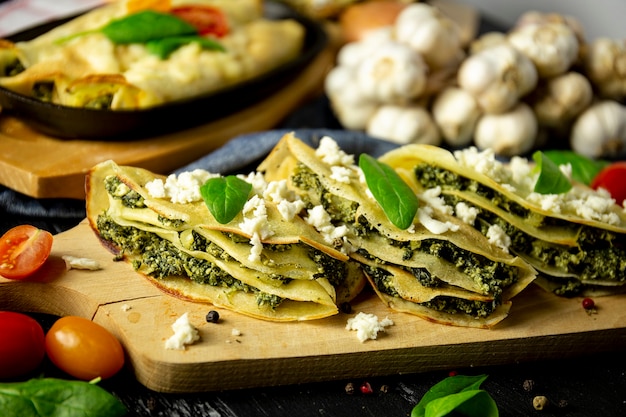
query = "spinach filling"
{"x": 446, "y": 304}
{"x": 12, "y": 68}
{"x": 599, "y": 255}
{"x": 43, "y": 90}
{"x": 491, "y": 276}
{"x": 119, "y": 190}
{"x": 158, "y": 258}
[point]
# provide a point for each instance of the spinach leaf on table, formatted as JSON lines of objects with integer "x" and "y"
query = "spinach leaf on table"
{"x": 52, "y": 397}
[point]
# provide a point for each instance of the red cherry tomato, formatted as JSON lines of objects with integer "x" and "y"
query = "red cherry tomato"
{"x": 208, "y": 20}
{"x": 84, "y": 349}
{"x": 613, "y": 179}
{"x": 21, "y": 344}
{"x": 23, "y": 249}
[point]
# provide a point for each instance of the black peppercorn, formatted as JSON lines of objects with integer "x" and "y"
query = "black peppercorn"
{"x": 212, "y": 316}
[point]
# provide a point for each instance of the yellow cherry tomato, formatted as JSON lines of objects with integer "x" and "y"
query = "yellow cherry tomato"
{"x": 84, "y": 349}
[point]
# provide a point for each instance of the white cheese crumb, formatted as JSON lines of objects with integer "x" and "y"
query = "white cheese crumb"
{"x": 433, "y": 198}
{"x": 235, "y": 332}
{"x": 73, "y": 262}
{"x": 184, "y": 334}
{"x": 330, "y": 153}
{"x": 465, "y": 212}
{"x": 433, "y": 225}
{"x": 498, "y": 237}
{"x": 182, "y": 188}
{"x": 126, "y": 307}
{"x": 367, "y": 325}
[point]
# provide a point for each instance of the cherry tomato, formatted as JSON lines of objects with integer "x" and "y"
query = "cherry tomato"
{"x": 21, "y": 344}
{"x": 84, "y": 349}
{"x": 207, "y": 19}
{"x": 613, "y": 179}
{"x": 23, "y": 249}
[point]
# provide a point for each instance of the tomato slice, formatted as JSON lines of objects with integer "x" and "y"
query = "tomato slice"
{"x": 21, "y": 344}
{"x": 207, "y": 19}
{"x": 23, "y": 250}
{"x": 613, "y": 179}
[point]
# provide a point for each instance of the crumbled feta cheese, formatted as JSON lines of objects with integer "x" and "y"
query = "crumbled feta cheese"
{"x": 126, "y": 307}
{"x": 433, "y": 225}
{"x": 319, "y": 218}
{"x": 257, "y": 180}
{"x": 433, "y": 199}
{"x": 184, "y": 334}
{"x": 465, "y": 212}
{"x": 341, "y": 174}
{"x": 182, "y": 188}
{"x": 330, "y": 153}
{"x": 235, "y": 332}
{"x": 367, "y": 325}
{"x": 498, "y": 237}
{"x": 73, "y": 262}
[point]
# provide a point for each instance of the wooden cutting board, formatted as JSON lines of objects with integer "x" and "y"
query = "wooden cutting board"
{"x": 41, "y": 166}
{"x": 241, "y": 352}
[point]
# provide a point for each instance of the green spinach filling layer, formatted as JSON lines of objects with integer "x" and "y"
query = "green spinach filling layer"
{"x": 159, "y": 258}
{"x": 491, "y": 276}
{"x": 446, "y": 304}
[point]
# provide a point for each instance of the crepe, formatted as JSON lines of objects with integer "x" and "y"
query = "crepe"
{"x": 91, "y": 70}
{"x": 439, "y": 268}
{"x": 280, "y": 269}
{"x": 576, "y": 240}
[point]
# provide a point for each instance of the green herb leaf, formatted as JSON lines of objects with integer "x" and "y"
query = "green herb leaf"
{"x": 164, "y": 47}
{"x": 396, "y": 198}
{"x": 584, "y": 169}
{"x": 471, "y": 403}
{"x": 457, "y": 393}
{"x": 53, "y": 397}
{"x": 551, "y": 180}
{"x": 141, "y": 27}
{"x": 225, "y": 196}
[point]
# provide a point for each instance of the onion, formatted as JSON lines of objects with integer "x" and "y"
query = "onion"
{"x": 358, "y": 19}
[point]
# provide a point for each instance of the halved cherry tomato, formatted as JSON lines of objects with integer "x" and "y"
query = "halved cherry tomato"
{"x": 23, "y": 249}
{"x": 207, "y": 19}
{"x": 613, "y": 179}
{"x": 84, "y": 349}
{"x": 21, "y": 344}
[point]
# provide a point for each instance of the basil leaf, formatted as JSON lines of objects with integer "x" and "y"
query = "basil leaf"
{"x": 396, "y": 198}
{"x": 551, "y": 180}
{"x": 469, "y": 403}
{"x": 584, "y": 169}
{"x": 164, "y": 47}
{"x": 53, "y": 397}
{"x": 141, "y": 27}
{"x": 448, "y": 386}
{"x": 225, "y": 196}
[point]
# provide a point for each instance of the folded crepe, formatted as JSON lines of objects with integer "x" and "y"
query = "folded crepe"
{"x": 439, "y": 268}
{"x": 76, "y": 64}
{"x": 576, "y": 240}
{"x": 267, "y": 262}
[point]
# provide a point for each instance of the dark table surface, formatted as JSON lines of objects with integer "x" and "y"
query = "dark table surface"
{"x": 588, "y": 385}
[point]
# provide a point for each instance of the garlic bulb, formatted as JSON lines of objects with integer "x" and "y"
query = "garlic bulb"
{"x": 456, "y": 112}
{"x": 349, "y": 105}
{"x": 430, "y": 33}
{"x": 552, "y": 47}
{"x": 600, "y": 131}
{"x": 560, "y": 99}
{"x": 507, "y": 134}
{"x": 497, "y": 77}
{"x": 605, "y": 65}
{"x": 353, "y": 53}
{"x": 404, "y": 124}
{"x": 392, "y": 74}
{"x": 487, "y": 40}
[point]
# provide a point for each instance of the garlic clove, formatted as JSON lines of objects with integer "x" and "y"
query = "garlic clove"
{"x": 600, "y": 131}
{"x": 403, "y": 125}
{"x": 507, "y": 134}
{"x": 456, "y": 112}
{"x": 605, "y": 65}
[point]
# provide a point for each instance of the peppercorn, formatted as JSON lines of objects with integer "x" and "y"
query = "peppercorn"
{"x": 366, "y": 388}
{"x": 349, "y": 388}
{"x": 212, "y": 316}
{"x": 540, "y": 402}
{"x": 529, "y": 385}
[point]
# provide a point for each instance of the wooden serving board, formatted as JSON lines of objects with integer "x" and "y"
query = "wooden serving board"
{"x": 540, "y": 326}
{"x": 41, "y": 166}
